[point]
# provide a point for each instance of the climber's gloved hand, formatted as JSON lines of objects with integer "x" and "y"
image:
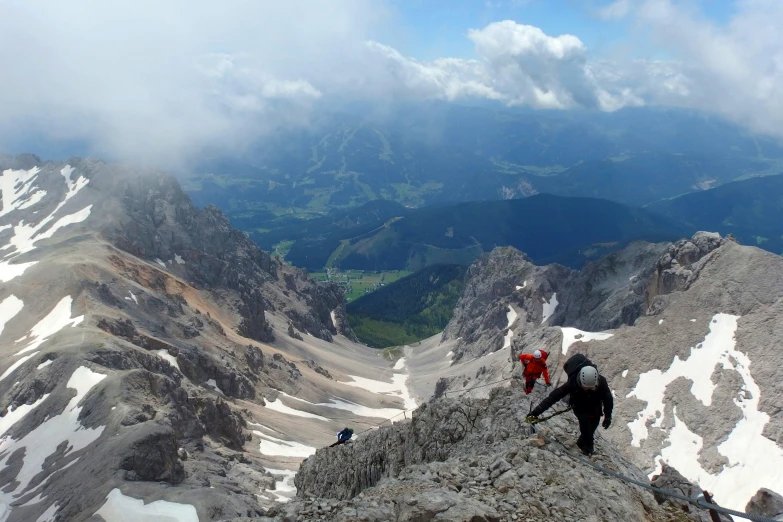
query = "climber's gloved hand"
{"x": 607, "y": 422}
{"x": 532, "y": 419}
{"x": 549, "y": 385}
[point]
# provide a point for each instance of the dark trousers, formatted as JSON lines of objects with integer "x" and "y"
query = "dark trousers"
{"x": 338, "y": 443}
{"x": 587, "y": 426}
{"x": 529, "y": 385}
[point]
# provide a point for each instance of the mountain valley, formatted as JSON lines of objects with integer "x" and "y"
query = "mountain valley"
{"x": 159, "y": 366}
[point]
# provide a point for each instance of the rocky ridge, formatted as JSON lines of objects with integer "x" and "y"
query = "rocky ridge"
{"x": 471, "y": 460}
{"x": 141, "y": 341}
{"x": 685, "y": 333}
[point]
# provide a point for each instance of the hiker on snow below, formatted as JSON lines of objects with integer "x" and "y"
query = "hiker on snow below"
{"x": 590, "y": 397}
{"x": 534, "y": 365}
{"x": 343, "y": 437}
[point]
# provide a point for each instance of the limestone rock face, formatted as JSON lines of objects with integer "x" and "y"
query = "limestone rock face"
{"x": 767, "y": 504}
{"x": 469, "y": 460}
{"x": 135, "y": 335}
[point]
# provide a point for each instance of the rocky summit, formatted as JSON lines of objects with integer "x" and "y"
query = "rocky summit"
{"x": 157, "y": 365}
{"x": 687, "y": 335}
{"x": 474, "y": 460}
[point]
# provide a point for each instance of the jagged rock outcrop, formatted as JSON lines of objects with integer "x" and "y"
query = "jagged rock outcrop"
{"x": 605, "y": 294}
{"x": 766, "y": 503}
{"x": 468, "y": 460}
{"x": 679, "y": 266}
{"x": 670, "y": 480}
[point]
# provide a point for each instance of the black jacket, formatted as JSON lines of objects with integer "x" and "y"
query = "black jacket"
{"x": 582, "y": 402}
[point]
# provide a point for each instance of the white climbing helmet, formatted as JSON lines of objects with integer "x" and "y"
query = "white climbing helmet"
{"x": 588, "y": 378}
{"x": 537, "y": 354}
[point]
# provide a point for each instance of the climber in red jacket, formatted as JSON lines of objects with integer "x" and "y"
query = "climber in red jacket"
{"x": 534, "y": 365}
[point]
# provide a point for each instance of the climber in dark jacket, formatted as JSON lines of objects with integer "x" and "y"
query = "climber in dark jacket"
{"x": 590, "y": 397}
{"x": 343, "y": 437}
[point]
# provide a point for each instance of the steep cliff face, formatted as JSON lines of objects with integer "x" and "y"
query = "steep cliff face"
{"x": 470, "y": 460}
{"x": 141, "y": 351}
{"x": 505, "y": 291}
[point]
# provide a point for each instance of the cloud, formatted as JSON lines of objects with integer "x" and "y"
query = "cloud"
{"x": 735, "y": 70}
{"x": 161, "y": 81}
{"x": 617, "y": 10}
{"x": 155, "y": 80}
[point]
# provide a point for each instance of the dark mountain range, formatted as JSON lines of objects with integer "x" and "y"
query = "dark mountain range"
{"x": 549, "y": 228}
{"x": 751, "y": 210}
{"x": 409, "y": 309}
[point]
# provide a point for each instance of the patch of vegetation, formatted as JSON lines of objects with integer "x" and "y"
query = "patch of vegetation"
{"x": 408, "y": 310}
{"x": 358, "y": 283}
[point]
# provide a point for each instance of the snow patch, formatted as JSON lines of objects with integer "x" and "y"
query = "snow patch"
{"x": 278, "y": 406}
{"x": 571, "y": 335}
{"x": 362, "y": 411}
{"x": 660, "y": 321}
{"x": 754, "y": 460}
{"x": 211, "y": 382}
{"x": 450, "y": 355}
{"x": 401, "y": 380}
{"x": 373, "y": 385}
{"x": 164, "y": 354}
{"x": 44, "y": 441}
{"x": 549, "y": 307}
{"x": 49, "y": 514}
{"x": 10, "y": 306}
{"x": 15, "y": 186}
{"x": 25, "y": 236}
{"x": 511, "y": 316}
{"x": 507, "y": 339}
{"x": 161, "y": 263}
{"x": 14, "y": 415}
{"x": 133, "y": 297}
{"x": 334, "y": 319}
{"x": 524, "y": 284}
{"x": 178, "y": 259}
{"x": 16, "y": 365}
{"x": 119, "y": 508}
{"x": 625, "y": 374}
{"x": 56, "y": 320}
{"x": 275, "y": 447}
{"x": 284, "y": 487}
{"x": 693, "y": 320}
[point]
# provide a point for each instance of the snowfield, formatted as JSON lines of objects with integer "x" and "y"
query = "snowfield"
{"x": 47, "y": 438}
{"x": 56, "y": 320}
{"x": 274, "y": 447}
{"x": 549, "y": 307}
{"x": 121, "y": 508}
{"x": 26, "y": 235}
{"x": 572, "y": 335}
{"x": 754, "y": 460}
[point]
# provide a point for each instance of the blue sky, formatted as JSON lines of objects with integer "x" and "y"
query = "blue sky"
{"x": 437, "y": 28}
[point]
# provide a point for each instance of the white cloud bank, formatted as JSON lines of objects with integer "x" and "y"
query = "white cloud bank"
{"x": 153, "y": 80}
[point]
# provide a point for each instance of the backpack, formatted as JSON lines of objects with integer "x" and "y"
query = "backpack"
{"x": 575, "y": 363}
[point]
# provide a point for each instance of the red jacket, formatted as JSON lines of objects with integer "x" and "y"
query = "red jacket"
{"x": 535, "y": 367}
